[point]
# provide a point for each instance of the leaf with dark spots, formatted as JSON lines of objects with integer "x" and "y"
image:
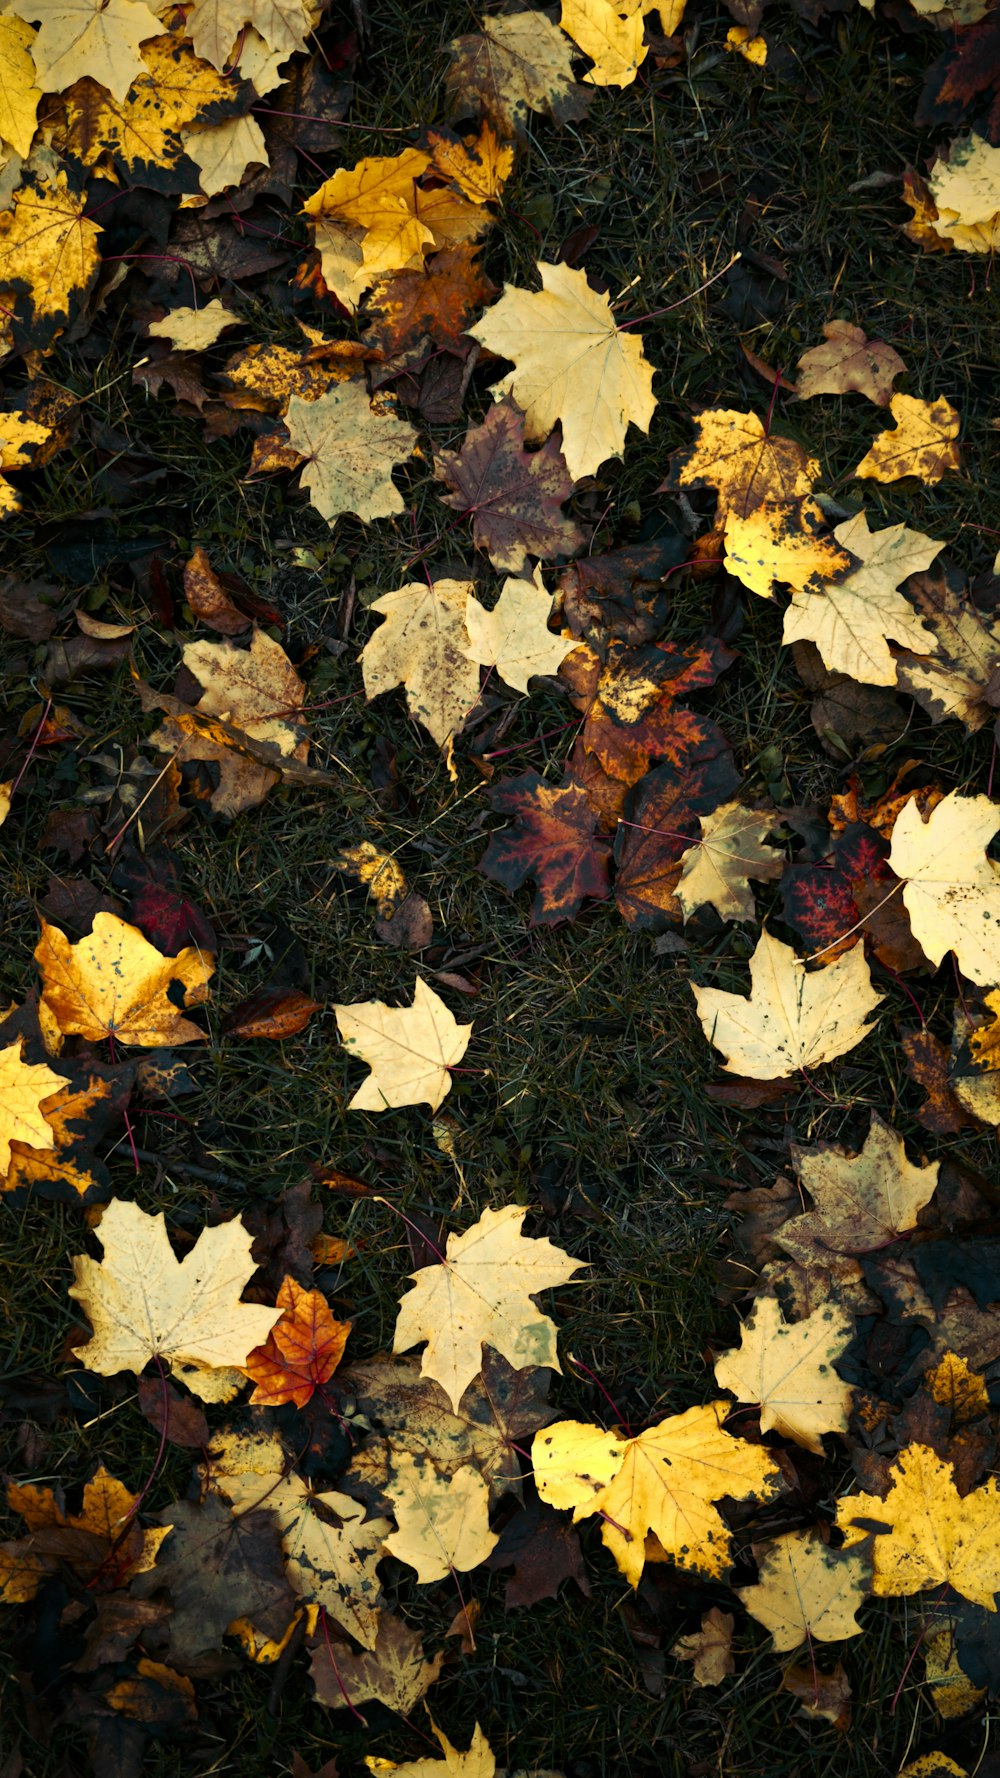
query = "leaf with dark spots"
{"x": 80, "y": 1116}
{"x": 552, "y": 839}
{"x": 851, "y": 898}
{"x": 160, "y": 909}
{"x": 631, "y": 715}
{"x": 620, "y": 594}
{"x": 218, "y": 1566}
{"x": 186, "y": 1424}
{"x": 273, "y": 1011}
{"x": 513, "y": 496}
{"x": 661, "y": 821}
{"x": 436, "y": 304}
{"x": 543, "y": 1549}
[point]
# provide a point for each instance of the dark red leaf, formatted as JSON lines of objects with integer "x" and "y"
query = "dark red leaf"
{"x": 552, "y": 840}
{"x": 168, "y": 917}
{"x": 661, "y": 821}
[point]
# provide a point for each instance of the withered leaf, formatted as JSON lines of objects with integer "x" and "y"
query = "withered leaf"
{"x": 543, "y": 1550}
{"x": 219, "y": 1566}
{"x": 552, "y": 839}
{"x": 630, "y": 701}
{"x": 513, "y": 496}
{"x": 660, "y": 822}
{"x": 435, "y": 303}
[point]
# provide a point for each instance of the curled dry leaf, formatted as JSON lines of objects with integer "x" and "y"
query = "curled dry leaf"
{"x": 710, "y": 1649}
{"x": 208, "y": 598}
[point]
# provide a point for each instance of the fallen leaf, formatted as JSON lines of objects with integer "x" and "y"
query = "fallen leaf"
{"x": 611, "y": 35}
{"x": 543, "y": 1551}
{"x": 792, "y": 1020}
{"x": 519, "y": 62}
{"x": 79, "y": 1118}
{"x": 710, "y": 1649}
{"x": 142, "y": 1302}
{"x": 849, "y": 362}
{"x": 784, "y": 545}
{"x": 102, "y": 1544}
{"x": 513, "y": 496}
{"x": 215, "y": 26}
{"x": 480, "y": 1295}
{"x": 746, "y": 465}
{"x": 861, "y": 1202}
{"x": 806, "y": 1591}
{"x": 479, "y": 165}
{"x": 19, "y": 95}
{"x": 573, "y": 363}
{"x": 302, "y": 1351}
{"x": 926, "y": 1534}
{"x": 409, "y": 1049}
{"x": 219, "y": 1566}
{"x": 658, "y": 825}
{"x": 964, "y": 187}
{"x": 114, "y": 984}
{"x": 98, "y": 39}
{"x": 716, "y": 871}
{"x": 927, "y": 1063}
{"x": 156, "y": 1695}
{"x": 394, "y": 1673}
{"x": 423, "y": 645}
{"x": 514, "y": 637}
{"x": 951, "y": 887}
{"x": 477, "y": 1763}
{"x": 176, "y": 1416}
{"x": 850, "y": 620}
{"x": 350, "y": 450}
{"x": 272, "y": 1012}
{"x": 826, "y": 1696}
{"x": 24, "y": 1087}
{"x": 957, "y": 678}
{"x": 552, "y": 839}
{"x": 741, "y": 42}
{"x": 435, "y": 302}
{"x": 49, "y": 259}
{"x": 192, "y": 330}
{"x": 630, "y": 702}
{"x": 207, "y": 596}
{"x": 919, "y": 444}
{"x": 789, "y": 1370}
{"x": 442, "y": 1519}
{"x": 664, "y": 1482}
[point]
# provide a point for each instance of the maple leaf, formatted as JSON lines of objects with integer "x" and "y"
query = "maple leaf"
{"x": 78, "y": 1116}
{"x": 215, "y": 26}
{"x": 519, "y": 62}
{"x": 19, "y": 95}
{"x": 664, "y": 1482}
{"x": 219, "y": 1566}
{"x": 102, "y": 1544}
{"x": 926, "y": 1533}
{"x": 142, "y": 1302}
{"x": 442, "y": 1517}
{"x": 350, "y": 450}
{"x": 950, "y": 886}
{"x": 552, "y": 839}
{"x": 788, "y": 1369}
{"x": 746, "y": 465}
{"x": 807, "y": 1591}
{"x": 920, "y": 444}
{"x": 115, "y": 984}
{"x": 630, "y": 702}
{"x": 957, "y": 679}
{"x": 965, "y": 190}
{"x": 48, "y": 260}
{"x": 191, "y": 330}
{"x": 302, "y": 1351}
{"x": 437, "y": 302}
{"x": 783, "y": 544}
{"x": 659, "y": 822}
{"x": 477, "y": 1763}
{"x": 480, "y": 1295}
{"x": 710, "y": 1649}
{"x": 514, "y": 496}
{"x": 95, "y": 38}
{"x": 23, "y": 1088}
{"x": 423, "y": 645}
{"x": 572, "y": 364}
{"x": 611, "y": 35}
{"x": 851, "y": 899}
{"x": 479, "y": 165}
{"x": 394, "y": 1673}
{"x": 850, "y": 621}
{"x": 716, "y": 871}
{"x": 848, "y": 361}
{"x": 409, "y": 1049}
{"x": 331, "y": 1550}
{"x": 792, "y": 1019}
{"x": 514, "y": 637}
{"x": 861, "y": 1202}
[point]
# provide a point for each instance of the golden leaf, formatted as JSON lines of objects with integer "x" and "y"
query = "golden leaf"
{"x": 102, "y": 1542}
{"x": 215, "y": 26}
{"x": 115, "y": 984}
{"x": 515, "y": 637}
{"x": 573, "y": 364}
{"x": 479, "y": 165}
{"x": 424, "y": 646}
{"x": 792, "y": 1019}
{"x": 664, "y": 1482}
{"x": 920, "y": 444}
{"x": 782, "y": 544}
{"x": 350, "y": 451}
{"x": 710, "y": 1649}
{"x": 442, "y": 1518}
{"x": 409, "y": 1049}
{"x": 611, "y": 35}
{"x": 48, "y": 259}
{"x": 477, "y": 1763}
{"x": 96, "y": 38}
{"x": 926, "y": 1533}
{"x": 850, "y": 621}
{"x": 19, "y": 95}
{"x": 806, "y": 1591}
{"x": 789, "y": 1370}
{"x": 191, "y": 330}
{"x": 480, "y": 1295}
{"x": 746, "y": 465}
{"x": 741, "y": 42}
{"x": 957, "y": 1387}
{"x": 23, "y": 1087}
{"x": 951, "y": 887}
{"x": 716, "y": 871}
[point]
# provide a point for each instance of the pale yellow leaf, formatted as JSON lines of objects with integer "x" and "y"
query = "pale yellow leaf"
{"x": 192, "y": 330}
{"x": 477, "y": 1763}
{"x": 614, "y": 43}
{"x": 23, "y": 1088}
{"x": 850, "y": 621}
{"x": 222, "y": 152}
{"x": 951, "y": 888}
{"x": 442, "y": 1518}
{"x": 409, "y": 1049}
{"x": 788, "y": 1369}
{"x": 806, "y": 1590}
{"x": 515, "y": 637}
{"x": 350, "y": 451}
{"x": 95, "y": 38}
{"x": 215, "y": 26}
{"x": 710, "y": 1649}
{"x": 793, "y": 1019}
{"x": 424, "y": 646}
{"x": 716, "y": 871}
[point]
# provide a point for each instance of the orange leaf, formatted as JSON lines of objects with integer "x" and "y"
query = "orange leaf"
{"x": 302, "y": 1351}
{"x": 271, "y": 1012}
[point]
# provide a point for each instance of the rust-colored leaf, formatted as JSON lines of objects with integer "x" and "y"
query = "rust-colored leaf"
{"x": 272, "y": 1012}
{"x": 552, "y": 840}
{"x": 302, "y": 1350}
{"x": 208, "y": 598}
{"x": 435, "y": 303}
{"x": 629, "y": 702}
{"x": 513, "y": 496}
{"x": 661, "y": 821}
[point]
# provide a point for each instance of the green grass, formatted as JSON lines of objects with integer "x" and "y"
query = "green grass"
{"x": 585, "y": 1091}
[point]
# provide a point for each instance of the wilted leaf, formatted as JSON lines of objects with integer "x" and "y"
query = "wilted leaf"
{"x": 519, "y": 63}
{"x": 207, "y": 596}
{"x": 848, "y": 361}
{"x": 394, "y": 1673}
{"x": 272, "y": 1012}
{"x": 823, "y": 1696}
{"x": 957, "y": 679}
{"x": 919, "y": 444}
{"x": 114, "y": 984}
{"x": 792, "y": 1019}
{"x": 513, "y": 496}
{"x": 434, "y": 303}
{"x": 861, "y": 1202}
{"x": 102, "y": 1544}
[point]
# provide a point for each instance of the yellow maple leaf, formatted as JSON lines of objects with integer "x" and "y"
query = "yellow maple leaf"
{"x": 481, "y": 1296}
{"x": 515, "y": 637}
{"x": 665, "y": 1481}
{"x": 409, "y": 1049}
{"x": 861, "y": 1202}
{"x": 424, "y": 645}
{"x": 788, "y": 1369}
{"x": 143, "y": 1302}
{"x": 19, "y": 95}
{"x": 23, "y": 1088}
{"x": 477, "y": 1763}
{"x": 350, "y": 450}
{"x": 792, "y": 1019}
{"x": 741, "y": 41}
{"x": 850, "y": 620}
{"x": 442, "y": 1517}
{"x": 783, "y": 544}
{"x": 806, "y": 1590}
{"x": 99, "y": 38}
{"x": 611, "y": 35}
{"x": 920, "y": 444}
{"x": 956, "y": 1386}
{"x": 113, "y": 983}
{"x": 716, "y": 871}
{"x": 215, "y": 26}
{"x": 479, "y": 165}
{"x": 573, "y": 364}
{"x": 192, "y": 330}
{"x": 926, "y": 1533}
{"x": 746, "y": 465}
{"x": 951, "y": 887}
{"x": 222, "y": 152}
{"x": 48, "y": 259}
{"x": 396, "y": 240}
{"x": 331, "y": 1550}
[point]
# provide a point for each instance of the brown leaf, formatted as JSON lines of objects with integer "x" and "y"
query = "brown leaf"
{"x": 826, "y": 1696}
{"x": 219, "y": 1566}
{"x": 661, "y": 822}
{"x": 394, "y": 1672}
{"x": 208, "y": 598}
{"x": 410, "y": 925}
{"x": 553, "y": 840}
{"x": 435, "y": 303}
{"x": 621, "y": 594}
{"x": 543, "y": 1549}
{"x": 73, "y": 902}
{"x": 186, "y": 1424}
{"x": 848, "y": 361}
{"x": 119, "y": 1624}
{"x": 67, "y": 660}
{"x": 630, "y": 701}
{"x": 513, "y": 496}
{"x": 283, "y": 1230}
{"x": 273, "y": 1012}
{"x": 69, "y": 831}
{"x": 28, "y": 608}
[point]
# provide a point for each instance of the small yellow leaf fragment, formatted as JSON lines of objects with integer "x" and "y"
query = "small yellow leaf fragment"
{"x": 477, "y": 1763}
{"x": 24, "y": 1087}
{"x": 958, "y": 1388}
{"x": 752, "y": 49}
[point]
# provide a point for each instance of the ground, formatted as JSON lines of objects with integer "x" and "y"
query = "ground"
{"x": 584, "y": 1087}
